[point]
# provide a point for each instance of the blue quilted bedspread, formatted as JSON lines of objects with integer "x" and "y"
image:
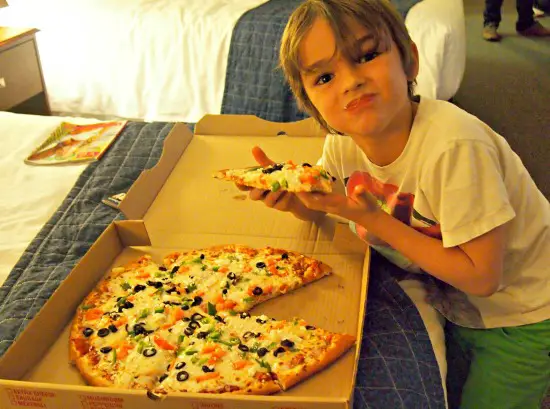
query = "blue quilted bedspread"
{"x": 254, "y": 85}
{"x": 397, "y": 367}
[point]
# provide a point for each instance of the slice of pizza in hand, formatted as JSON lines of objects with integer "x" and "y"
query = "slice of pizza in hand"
{"x": 281, "y": 176}
{"x": 238, "y": 277}
{"x": 246, "y": 354}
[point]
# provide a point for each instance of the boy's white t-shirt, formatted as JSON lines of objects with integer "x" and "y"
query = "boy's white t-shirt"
{"x": 455, "y": 180}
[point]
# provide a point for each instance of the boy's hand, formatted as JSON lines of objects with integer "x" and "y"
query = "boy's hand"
{"x": 353, "y": 207}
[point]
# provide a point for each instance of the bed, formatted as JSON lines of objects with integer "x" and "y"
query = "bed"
{"x": 176, "y": 60}
{"x": 397, "y": 367}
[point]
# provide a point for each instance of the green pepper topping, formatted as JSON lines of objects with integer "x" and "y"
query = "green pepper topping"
{"x": 248, "y": 299}
{"x": 191, "y": 352}
{"x": 159, "y": 309}
{"x": 211, "y": 309}
{"x": 275, "y": 186}
{"x": 114, "y": 356}
{"x": 215, "y": 268}
{"x": 86, "y": 307}
{"x": 125, "y": 286}
{"x": 284, "y": 183}
{"x": 144, "y": 313}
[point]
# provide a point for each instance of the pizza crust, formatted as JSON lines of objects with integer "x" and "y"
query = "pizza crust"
{"x": 340, "y": 344}
{"x": 260, "y": 388}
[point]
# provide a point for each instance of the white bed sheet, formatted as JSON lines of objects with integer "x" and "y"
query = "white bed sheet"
{"x": 162, "y": 60}
{"x": 438, "y": 28}
{"x": 29, "y": 195}
{"x": 166, "y": 60}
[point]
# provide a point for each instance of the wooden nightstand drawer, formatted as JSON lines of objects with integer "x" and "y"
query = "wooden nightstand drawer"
{"x": 20, "y": 77}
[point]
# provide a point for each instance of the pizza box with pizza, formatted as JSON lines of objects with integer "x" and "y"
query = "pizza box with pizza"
{"x": 178, "y": 206}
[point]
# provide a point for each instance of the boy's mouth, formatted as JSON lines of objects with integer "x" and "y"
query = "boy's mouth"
{"x": 363, "y": 101}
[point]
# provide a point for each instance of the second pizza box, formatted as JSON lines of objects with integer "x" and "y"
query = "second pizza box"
{"x": 177, "y": 205}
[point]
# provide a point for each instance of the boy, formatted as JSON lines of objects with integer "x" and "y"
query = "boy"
{"x": 430, "y": 187}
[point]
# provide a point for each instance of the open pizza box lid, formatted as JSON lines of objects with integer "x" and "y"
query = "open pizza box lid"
{"x": 177, "y": 205}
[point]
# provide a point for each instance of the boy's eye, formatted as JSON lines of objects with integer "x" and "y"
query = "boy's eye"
{"x": 323, "y": 79}
{"x": 368, "y": 57}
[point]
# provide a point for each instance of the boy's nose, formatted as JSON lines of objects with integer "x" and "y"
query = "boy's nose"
{"x": 351, "y": 77}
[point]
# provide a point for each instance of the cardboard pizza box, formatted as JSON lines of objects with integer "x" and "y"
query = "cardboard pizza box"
{"x": 177, "y": 205}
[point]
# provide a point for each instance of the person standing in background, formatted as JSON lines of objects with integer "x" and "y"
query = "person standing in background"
{"x": 525, "y": 24}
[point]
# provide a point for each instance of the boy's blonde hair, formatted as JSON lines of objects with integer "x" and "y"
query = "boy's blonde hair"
{"x": 379, "y": 17}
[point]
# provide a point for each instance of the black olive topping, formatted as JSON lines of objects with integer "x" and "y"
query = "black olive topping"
{"x": 306, "y": 165}
{"x": 156, "y": 284}
{"x": 248, "y": 334}
{"x": 194, "y": 325}
{"x": 171, "y": 290}
{"x": 244, "y": 315}
{"x": 196, "y": 301}
{"x": 139, "y": 287}
{"x": 103, "y": 332}
{"x": 257, "y": 291}
{"x": 152, "y": 396}
{"x": 260, "y": 264}
{"x": 310, "y": 327}
{"x": 149, "y": 352}
{"x": 87, "y": 332}
{"x": 114, "y": 316}
{"x": 260, "y": 321}
{"x": 278, "y": 351}
{"x": 174, "y": 269}
{"x": 262, "y": 351}
{"x": 189, "y": 331}
{"x": 163, "y": 377}
{"x": 186, "y": 319}
{"x": 197, "y": 317}
{"x": 106, "y": 350}
{"x": 243, "y": 347}
{"x": 180, "y": 365}
{"x": 287, "y": 343}
{"x": 171, "y": 303}
{"x": 219, "y": 319}
{"x": 162, "y": 268}
{"x": 185, "y": 307}
{"x": 284, "y": 256}
{"x": 202, "y": 335}
{"x": 182, "y": 376}
{"x": 207, "y": 369}
{"x": 231, "y": 275}
{"x": 224, "y": 291}
{"x": 128, "y": 305}
{"x": 139, "y": 329}
{"x": 113, "y": 328}
{"x": 202, "y": 256}
{"x": 126, "y": 328}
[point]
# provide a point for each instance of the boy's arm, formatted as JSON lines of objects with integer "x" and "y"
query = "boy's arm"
{"x": 474, "y": 267}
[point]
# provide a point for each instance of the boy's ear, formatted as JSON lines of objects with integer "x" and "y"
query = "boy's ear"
{"x": 412, "y": 71}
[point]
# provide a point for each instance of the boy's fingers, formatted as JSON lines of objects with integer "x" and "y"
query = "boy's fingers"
{"x": 257, "y": 194}
{"x": 271, "y": 199}
{"x": 261, "y": 157}
{"x": 360, "y": 194}
{"x": 243, "y": 187}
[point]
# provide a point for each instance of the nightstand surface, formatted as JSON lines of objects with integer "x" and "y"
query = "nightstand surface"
{"x": 9, "y": 34}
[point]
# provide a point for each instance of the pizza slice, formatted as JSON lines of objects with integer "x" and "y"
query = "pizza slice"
{"x": 281, "y": 176}
{"x": 247, "y": 354}
{"x": 237, "y": 277}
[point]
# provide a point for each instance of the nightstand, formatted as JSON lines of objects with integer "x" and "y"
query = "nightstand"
{"x": 22, "y": 88}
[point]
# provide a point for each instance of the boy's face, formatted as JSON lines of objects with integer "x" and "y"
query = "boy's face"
{"x": 365, "y": 97}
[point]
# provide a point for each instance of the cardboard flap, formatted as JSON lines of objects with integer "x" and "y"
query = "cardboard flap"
{"x": 145, "y": 188}
{"x": 250, "y": 125}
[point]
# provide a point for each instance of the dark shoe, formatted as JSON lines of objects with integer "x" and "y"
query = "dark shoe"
{"x": 536, "y": 30}
{"x": 490, "y": 32}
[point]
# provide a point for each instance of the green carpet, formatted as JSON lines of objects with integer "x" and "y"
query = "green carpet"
{"x": 507, "y": 85}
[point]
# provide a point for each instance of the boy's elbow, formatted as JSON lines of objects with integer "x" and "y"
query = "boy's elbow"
{"x": 488, "y": 286}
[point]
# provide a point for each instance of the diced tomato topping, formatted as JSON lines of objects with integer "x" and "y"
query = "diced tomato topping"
{"x": 307, "y": 178}
{"x": 223, "y": 269}
{"x": 205, "y": 377}
{"x": 219, "y": 299}
{"x": 162, "y": 343}
{"x": 178, "y": 314}
{"x": 247, "y": 269}
{"x": 93, "y": 314}
{"x": 121, "y": 321}
{"x": 131, "y": 297}
{"x": 143, "y": 275}
{"x": 229, "y": 304}
{"x": 241, "y": 364}
{"x": 209, "y": 348}
{"x": 124, "y": 350}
